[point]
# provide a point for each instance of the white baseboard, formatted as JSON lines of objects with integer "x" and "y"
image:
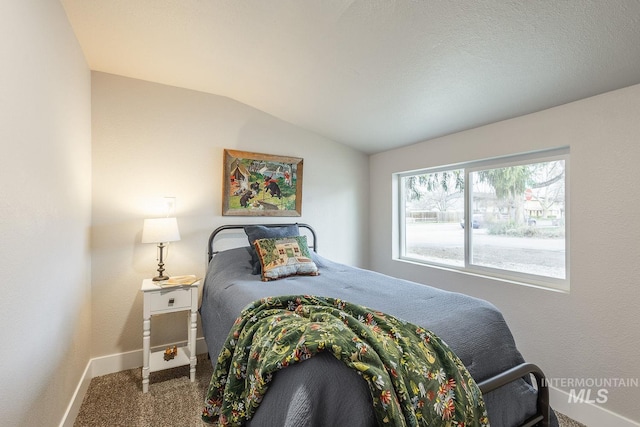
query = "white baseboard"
{"x": 76, "y": 400}
{"x": 587, "y": 413}
{"x": 110, "y": 364}
{"x": 132, "y": 359}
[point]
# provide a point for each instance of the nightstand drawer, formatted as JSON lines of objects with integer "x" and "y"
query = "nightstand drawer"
{"x": 170, "y": 300}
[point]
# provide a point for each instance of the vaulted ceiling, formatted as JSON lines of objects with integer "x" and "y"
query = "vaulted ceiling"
{"x": 373, "y": 74}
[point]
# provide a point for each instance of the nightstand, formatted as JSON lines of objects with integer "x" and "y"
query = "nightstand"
{"x": 168, "y": 299}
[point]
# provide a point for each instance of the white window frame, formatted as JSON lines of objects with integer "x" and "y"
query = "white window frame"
{"x": 527, "y": 279}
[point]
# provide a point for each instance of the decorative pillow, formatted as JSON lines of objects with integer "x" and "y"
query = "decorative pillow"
{"x": 255, "y": 232}
{"x": 284, "y": 257}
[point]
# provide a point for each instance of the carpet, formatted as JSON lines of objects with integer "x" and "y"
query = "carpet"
{"x": 117, "y": 399}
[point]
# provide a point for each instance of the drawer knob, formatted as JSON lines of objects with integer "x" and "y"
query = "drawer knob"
{"x": 171, "y": 301}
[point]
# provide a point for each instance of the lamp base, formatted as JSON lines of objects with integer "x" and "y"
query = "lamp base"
{"x": 161, "y": 276}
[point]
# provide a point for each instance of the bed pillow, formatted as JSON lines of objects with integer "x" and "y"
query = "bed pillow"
{"x": 284, "y": 257}
{"x": 255, "y": 232}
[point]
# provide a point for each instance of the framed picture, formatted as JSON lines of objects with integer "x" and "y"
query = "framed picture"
{"x": 257, "y": 184}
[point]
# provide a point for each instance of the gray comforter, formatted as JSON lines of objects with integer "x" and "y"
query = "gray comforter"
{"x": 322, "y": 391}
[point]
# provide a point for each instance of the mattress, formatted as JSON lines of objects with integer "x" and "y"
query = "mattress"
{"x": 322, "y": 390}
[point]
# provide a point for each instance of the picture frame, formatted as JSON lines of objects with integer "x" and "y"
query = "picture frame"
{"x": 256, "y": 184}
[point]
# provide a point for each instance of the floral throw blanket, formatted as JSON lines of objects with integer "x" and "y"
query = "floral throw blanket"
{"x": 413, "y": 376}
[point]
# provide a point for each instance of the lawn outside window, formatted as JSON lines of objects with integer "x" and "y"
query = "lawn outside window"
{"x": 505, "y": 218}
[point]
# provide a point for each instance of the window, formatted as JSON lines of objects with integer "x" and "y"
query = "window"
{"x": 504, "y": 218}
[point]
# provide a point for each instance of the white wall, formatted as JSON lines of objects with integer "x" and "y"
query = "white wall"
{"x": 593, "y": 331}
{"x": 151, "y": 141}
{"x": 45, "y": 202}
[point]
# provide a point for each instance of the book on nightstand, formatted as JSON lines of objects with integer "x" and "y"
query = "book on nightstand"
{"x": 186, "y": 280}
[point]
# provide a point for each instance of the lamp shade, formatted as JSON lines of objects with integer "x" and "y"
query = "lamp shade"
{"x": 160, "y": 230}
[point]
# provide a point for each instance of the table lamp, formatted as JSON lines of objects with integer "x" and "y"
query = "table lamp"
{"x": 160, "y": 231}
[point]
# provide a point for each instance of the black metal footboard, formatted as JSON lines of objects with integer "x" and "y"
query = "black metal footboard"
{"x": 541, "y": 418}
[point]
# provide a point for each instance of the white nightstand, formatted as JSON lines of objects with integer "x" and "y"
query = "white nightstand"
{"x": 159, "y": 300}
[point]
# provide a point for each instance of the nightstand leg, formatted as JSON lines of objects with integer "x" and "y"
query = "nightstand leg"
{"x": 146, "y": 350}
{"x": 192, "y": 345}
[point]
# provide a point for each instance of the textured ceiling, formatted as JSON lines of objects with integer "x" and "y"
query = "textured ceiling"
{"x": 371, "y": 74}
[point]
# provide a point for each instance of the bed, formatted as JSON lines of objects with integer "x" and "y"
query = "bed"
{"x": 322, "y": 390}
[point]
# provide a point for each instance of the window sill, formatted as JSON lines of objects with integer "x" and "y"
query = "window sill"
{"x": 553, "y": 287}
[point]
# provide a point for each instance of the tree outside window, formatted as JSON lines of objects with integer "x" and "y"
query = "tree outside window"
{"x": 504, "y": 218}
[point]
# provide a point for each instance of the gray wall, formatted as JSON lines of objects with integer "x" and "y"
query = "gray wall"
{"x": 592, "y": 332}
{"x": 151, "y": 141}
{"x": 45, "y": 212}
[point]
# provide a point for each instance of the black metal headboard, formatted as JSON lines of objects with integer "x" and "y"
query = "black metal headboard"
{"x": 211, "y": 252}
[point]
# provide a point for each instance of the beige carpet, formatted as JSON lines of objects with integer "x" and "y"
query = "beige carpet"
{"x": 172, "y": 400}
{"x": 117, "y": 399}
